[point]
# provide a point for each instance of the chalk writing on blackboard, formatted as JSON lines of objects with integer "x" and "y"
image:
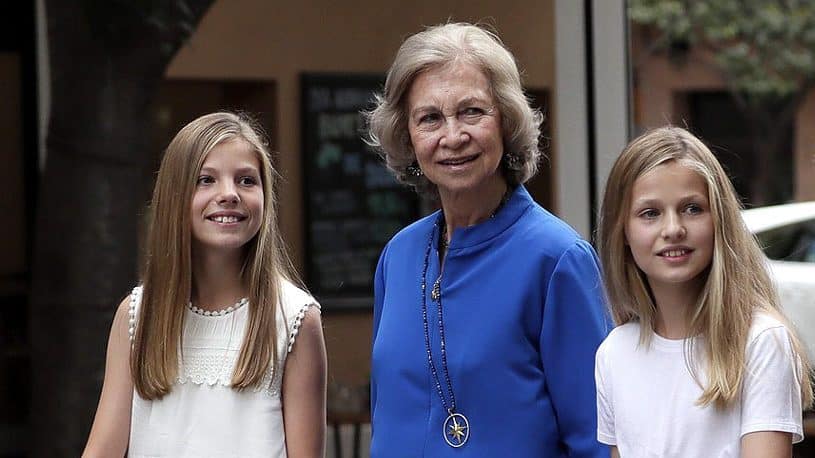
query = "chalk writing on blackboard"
{"x": 328, "y": 155}
{"x": 339, "y": 125}
{"x": 377, "y": 176}
{"x": 353, "y": 203}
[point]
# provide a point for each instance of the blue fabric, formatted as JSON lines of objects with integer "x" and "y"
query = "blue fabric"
{"x": 523, "y": 317}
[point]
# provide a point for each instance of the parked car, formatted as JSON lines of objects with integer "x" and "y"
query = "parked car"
{"x": 787, "y": 235}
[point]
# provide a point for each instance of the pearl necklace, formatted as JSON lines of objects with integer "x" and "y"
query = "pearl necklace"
{"x": 222, "y": 312}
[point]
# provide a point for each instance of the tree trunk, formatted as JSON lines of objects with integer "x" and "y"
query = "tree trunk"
{"x": 91, "y": 195}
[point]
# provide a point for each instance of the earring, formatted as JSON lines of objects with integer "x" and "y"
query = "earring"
{"x": 512, "y": 160}
{"x": 413, "y": 170}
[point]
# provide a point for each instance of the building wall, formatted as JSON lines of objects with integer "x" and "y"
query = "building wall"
{"x": 658, "y": 82}
{"x": 258, "y": 39}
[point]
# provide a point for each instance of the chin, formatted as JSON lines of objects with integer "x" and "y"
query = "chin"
{"x": 225, "y": 244}
{"x": 684, "y": 279}
{"x": 462, "y": 185}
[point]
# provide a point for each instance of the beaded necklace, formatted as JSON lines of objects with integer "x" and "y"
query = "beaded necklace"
{"x": 456, "y": 427}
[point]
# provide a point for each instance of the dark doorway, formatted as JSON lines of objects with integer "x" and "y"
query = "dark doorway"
{"x": 715, "y": 117}
{"x": 540, "y": 186}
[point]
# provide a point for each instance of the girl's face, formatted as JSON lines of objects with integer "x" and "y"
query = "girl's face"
{"x": 669, "y": 227}
{"x": 227, "y": 203}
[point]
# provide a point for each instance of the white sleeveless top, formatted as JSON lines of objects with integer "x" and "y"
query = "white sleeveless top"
{"x": 202, "y": 416}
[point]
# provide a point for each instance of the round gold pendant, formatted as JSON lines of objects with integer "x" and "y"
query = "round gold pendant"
{"x": 456, "y": 430}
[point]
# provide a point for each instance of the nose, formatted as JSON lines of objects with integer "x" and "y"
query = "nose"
{"x": 674, "y": 228}
{"x": 227, "y": 194}
{"x": 453, "y": 135}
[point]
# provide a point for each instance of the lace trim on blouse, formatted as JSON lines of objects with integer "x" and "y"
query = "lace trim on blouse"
{"x": 135, "y": 300}
{"x": 214, "y": 366}
{"x": 298, "y": 321}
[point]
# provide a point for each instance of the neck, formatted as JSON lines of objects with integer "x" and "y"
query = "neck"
{"x": 216, "y": 279}
{"x": 468, "y": 208}
{"x": 673, "y": 303}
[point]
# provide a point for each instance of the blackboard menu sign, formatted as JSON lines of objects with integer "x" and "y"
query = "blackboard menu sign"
{"x": 354, "y": 205}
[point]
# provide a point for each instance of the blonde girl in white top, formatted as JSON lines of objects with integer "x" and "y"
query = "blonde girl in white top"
{"x": 703, "y": 362}
{"x": 217, "y": 353}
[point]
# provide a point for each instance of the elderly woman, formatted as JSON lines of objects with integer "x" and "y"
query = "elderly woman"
{"x": 488, "y": 312}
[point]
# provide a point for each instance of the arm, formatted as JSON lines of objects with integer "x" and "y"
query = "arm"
{"x": 574, "y": 325}
{"x": 614, "y": 452}
{"x": 766, "y": 444}
{"x": 111, "y": 425}
{"x": 379, "y": 298}
{"x": 304, "y": 390}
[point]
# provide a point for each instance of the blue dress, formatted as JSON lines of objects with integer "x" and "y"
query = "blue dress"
{"x": 523, "y": 316}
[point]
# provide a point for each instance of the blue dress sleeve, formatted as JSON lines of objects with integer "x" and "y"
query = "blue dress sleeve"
{"x": 379, "y": 297}
{"x": 575, "y": 322}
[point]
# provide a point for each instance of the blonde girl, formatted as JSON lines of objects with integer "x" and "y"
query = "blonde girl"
{"x": 217, "y": 353}
{"x": 703, "y": 362}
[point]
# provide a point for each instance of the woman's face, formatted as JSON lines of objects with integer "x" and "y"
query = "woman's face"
{"x": 455, "y": 129}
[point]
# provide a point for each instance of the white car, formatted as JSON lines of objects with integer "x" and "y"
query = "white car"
{"x": 787, "y": 235}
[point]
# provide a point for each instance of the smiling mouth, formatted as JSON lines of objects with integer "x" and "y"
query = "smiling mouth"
{"x": 226, "y": 219}
{"x": 459, "y": 160}
{"x": 677, "y": 253}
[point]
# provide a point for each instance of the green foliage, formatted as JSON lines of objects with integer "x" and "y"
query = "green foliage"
{"x": 764, "y": 48}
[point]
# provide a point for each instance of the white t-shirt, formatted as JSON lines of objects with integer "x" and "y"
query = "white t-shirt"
{"x": 646, "y": 397}
{"x": 202, "y": 416}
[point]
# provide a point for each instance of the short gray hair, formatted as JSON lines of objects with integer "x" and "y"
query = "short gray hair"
{"x": 442, "y": 45}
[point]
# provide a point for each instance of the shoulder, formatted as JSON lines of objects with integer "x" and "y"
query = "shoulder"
{"x": 301, "y": 311}
{"x": 293, "y": 296}
{"x": 540, "y": 230}
{"x": 620, "y": 340}
{"x": 310, "y": 324}
{"x": 407, "y": 241}
{"x": 135, "y": 296}
{"x": 414, "y": 232}
{"x": 130, "y": 302}
{"x": 295, "y": 301}
{"x": 767, "y": 332}
{"x": 763, "y": 321}
{"x": 128, "y": 310}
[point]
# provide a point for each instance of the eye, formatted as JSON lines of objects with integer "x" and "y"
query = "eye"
{"x": 648, "y": 213}
{"x": 204, "y": 180}
{"x": 471, "y": 115}
{"x": 472, "y": 112}
{"x": 247, "y": 181}
{"x": 693, "y": 209}
{"x": 429, "y": 119}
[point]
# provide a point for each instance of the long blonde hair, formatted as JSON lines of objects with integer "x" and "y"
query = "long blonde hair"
{"x": 167, "y": 276}
{"x": 738, "y": 282}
